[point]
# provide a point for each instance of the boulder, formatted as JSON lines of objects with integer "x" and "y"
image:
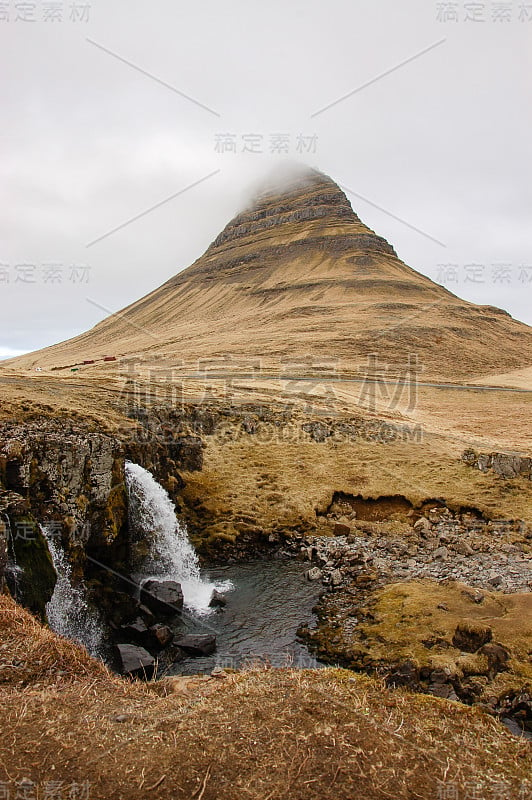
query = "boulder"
{"x": 497, "y": 655}
{"x": 197, "y": 644}
{"x": 218, "y": 600}
{"x": 155, "y": 637}
{"x": 136, "y": 631}
{"x": 336, "y": 577}
{"x": 463, "y": 548}
{"x": 160, "y": 635}
{"x": 470, "y": 636}
{"x": 135, "y": 661}
{"x": 314, "y": 574}
{"x": 162, "y": 597}
{"x": 341, "y": 529}
{"x": 423, "y": 527}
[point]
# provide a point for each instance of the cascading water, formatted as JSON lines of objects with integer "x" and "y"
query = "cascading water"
{"x": 172, "y": 556}
{"x": 12, "y": 572}
{"x": 67, "y": 612}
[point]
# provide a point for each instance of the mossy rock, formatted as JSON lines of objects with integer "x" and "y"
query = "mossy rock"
{"x": 116, "y": 512}
{"x": 36, "y": 582}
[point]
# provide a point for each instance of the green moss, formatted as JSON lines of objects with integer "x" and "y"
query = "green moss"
{"x": 37, "y": 580}
{"x": 115, "y": 512}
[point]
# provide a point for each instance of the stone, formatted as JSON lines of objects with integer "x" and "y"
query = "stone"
{"x": 440, "y": 554}
{"x": 443, "y": 690}
{"x": 405, "y": 674}
{"x": 218, "y": 600}
{"x": 219, "y": 672}
{"x": 470, "y": 636}
{"x": 497, "y": 655}
{"x": 336, "y": 577}
{"x": 160, "y": 635}
{"x": 423, "y": 527}
{"x": 197, "y": 644}
{"x": 187, "y": 452}
{"x": 341, "y": 529}
{"x": 136, "y": 631}
{"x": 147, "y": 615}
{"x": 475, "y": 597}
{"x": 440, "y": 676}
{"x": 317, "y": 431}
{"x": 135, "y": 661}
{"x": 162, "y": 597}
{"x": 314, "y": 574}
{"x": 463, "y": 548}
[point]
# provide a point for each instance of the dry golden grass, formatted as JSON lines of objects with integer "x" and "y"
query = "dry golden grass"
{"x": 257, "y": 734}
{"x": 406, "y": 614}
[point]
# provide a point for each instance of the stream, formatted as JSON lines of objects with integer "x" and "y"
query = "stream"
{"x": 266, "y": 604}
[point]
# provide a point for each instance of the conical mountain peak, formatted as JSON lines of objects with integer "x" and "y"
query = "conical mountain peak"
{"x": 297, "y": 273}
{"x": 288, "y": 196}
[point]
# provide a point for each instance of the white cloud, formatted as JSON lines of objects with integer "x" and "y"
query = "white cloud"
{"x": 10, "y": 352}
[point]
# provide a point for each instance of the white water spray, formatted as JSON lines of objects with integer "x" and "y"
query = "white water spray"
{"x": 172, "y": 557}
{"x": 67, "y": 612}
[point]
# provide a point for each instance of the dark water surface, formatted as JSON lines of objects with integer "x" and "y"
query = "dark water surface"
{"x": 267, "y": 604}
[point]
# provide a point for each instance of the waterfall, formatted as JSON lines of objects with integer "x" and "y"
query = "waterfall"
{"x": 172, "y": 556}
{"x": 67, "y": 612}
{"x": 12, "y": 570}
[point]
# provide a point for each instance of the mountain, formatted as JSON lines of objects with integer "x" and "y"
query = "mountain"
{"x": 297, "y": 277}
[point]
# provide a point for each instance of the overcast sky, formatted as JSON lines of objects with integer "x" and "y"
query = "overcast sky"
{"x": 111, "y": 107}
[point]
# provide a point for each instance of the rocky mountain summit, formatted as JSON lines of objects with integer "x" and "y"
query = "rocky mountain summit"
{"x": 295, "y": 275}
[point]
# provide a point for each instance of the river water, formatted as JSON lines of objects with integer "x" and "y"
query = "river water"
{"x": 267, "y": 603}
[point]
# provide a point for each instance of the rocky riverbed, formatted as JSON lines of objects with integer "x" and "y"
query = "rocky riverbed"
{"x": 441, "y": 546}
{"x": 443, "y": 606}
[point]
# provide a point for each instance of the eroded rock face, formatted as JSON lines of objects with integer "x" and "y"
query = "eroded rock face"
{"x": 31, "y": 580}
{"x": 305, "y": 197}
{"x": 506, "y": 465}
{"x": 70, "y": 476}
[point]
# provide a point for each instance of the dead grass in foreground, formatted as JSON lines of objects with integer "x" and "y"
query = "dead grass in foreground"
{"x": 257, "y": 734}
